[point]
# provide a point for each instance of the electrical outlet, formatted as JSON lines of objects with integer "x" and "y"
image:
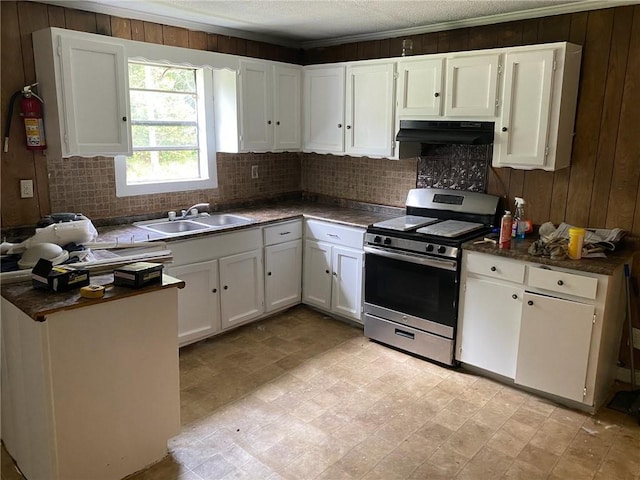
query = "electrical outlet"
{"x": 636, "y": 338}
{"x": 254, "y": 171}
{"x": 26, "y": 188}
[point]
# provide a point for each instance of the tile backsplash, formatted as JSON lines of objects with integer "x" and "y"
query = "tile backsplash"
{"x": 363, "y": 179}
{"x": 87, "y": 185}
{"x": 456, "y": 167}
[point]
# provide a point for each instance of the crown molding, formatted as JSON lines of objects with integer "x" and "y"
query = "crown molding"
{"x": 123, "y": 12}
{"x": 579, "y": 6}
{"x": 120, "y": 11}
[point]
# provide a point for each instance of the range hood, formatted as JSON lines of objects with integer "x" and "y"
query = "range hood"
{"x": 413, "y": 134}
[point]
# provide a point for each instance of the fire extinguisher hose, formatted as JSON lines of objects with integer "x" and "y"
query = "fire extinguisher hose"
{"x": 7, "y": 127}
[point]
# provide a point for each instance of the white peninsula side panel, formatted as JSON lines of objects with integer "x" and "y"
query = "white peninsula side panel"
{"x": 91, "y": 392}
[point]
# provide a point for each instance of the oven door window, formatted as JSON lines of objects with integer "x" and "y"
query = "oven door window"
{"x": 422, "y": 291}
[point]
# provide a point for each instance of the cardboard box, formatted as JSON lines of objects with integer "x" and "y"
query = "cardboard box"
{"x": 60, "y": 278}
{"x": 139, "y": 274}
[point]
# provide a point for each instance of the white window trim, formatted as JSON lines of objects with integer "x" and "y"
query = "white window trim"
{"x": 207, "y": 141}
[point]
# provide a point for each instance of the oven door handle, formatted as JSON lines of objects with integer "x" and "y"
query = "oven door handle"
{"x": 418, "y": 259}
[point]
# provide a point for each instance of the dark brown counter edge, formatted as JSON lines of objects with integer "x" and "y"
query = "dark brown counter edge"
{"x": 38, "y": 304}
{"x": 629, "y": 246}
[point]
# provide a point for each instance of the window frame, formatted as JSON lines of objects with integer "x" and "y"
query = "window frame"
{"x": 206, "y": 138}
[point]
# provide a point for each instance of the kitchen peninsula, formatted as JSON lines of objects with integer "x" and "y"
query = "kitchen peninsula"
{"x": 90, "y": 387}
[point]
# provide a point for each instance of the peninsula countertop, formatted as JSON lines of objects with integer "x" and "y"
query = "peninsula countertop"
{"x": 38, "y": 303}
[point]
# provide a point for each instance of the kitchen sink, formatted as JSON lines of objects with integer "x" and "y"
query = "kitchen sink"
{"x": 195, "y": 224}
{"x": 223, "y": 220}
{"x": 177, "y": 226}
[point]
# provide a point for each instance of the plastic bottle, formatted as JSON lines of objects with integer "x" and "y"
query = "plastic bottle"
{"x": 519, "y": 227}
{"x": 506, "y": 225}
{"x": 576, "y": 240}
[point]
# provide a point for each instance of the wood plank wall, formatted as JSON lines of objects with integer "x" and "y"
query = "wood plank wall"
{"x": 602, "y": 186}
{"x": 18, "y": 21}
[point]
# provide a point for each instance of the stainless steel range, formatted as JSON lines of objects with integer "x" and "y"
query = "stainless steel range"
{"x": 412, "y": 269}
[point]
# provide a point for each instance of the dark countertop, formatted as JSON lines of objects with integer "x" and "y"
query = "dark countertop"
{"x": 519, "y": 251}
{"x": 262, "y": 215}
{"x": 38, "y": 304}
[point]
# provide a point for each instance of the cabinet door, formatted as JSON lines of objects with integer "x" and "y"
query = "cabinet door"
{"x": 198, "y": 301}
{"x": 256, "y": 106}
{"x": 369, "y": 110}
{"x": 324, "y": 109}
{"x": 522, "y": 133}
{"x": 96, "y": 98}
{"x": 283, "y": 275}
{"x": 346, "y": 291}
{"x": 490, "y": 325}
{"x": 241, "y": 288}
{"x": 287, "y": 108}
{"x": 553, "y": 351}
{"x": 472, "y": 86}
{"x": 316, "y": 287}
{"x": 420, "y": 87}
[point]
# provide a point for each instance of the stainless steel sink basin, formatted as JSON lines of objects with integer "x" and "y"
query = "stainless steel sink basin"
{"x": 195, "y": 224}
{"x": 223, "y": 220}
{"x": 177, "y": 226}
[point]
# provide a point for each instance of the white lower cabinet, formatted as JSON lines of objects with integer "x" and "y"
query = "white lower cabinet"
{"x": 555, "y": 339}
{"x": 199, "y": 301}
{"x": 283, "y": 272}
{"x": 333, "y": 270}
{"x": 282, "y": 265}
{"x": 491, "y": 326}
{"x": 550, "y": 329}
{"x": 208, "y": 265}
{"x": 241, "y": 288}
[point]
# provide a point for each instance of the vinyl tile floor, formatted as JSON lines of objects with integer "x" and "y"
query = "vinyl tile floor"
{"x": 303, "y": 396}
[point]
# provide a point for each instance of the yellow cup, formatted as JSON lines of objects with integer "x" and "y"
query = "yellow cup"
{"x": 576, "y": 239}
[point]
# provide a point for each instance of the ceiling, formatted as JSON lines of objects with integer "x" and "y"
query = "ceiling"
{"x": 313, "y": 23}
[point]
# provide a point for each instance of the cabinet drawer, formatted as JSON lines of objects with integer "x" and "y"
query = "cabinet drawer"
{"x": 282, "y": 232}
{"x": 334, "y": 233}
{"x": 495, "y": 267}
{"x": 562, "y": 282}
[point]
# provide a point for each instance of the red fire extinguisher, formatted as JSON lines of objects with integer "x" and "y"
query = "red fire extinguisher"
{"x": 31, "y": 112}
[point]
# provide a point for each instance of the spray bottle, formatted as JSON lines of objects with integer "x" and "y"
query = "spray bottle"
{"x": 519, "y": 227}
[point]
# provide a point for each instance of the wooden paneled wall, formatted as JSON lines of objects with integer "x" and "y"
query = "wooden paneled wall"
{"x": 602, "y": 186}
{"x": 18, "y": 21}
{"x": 600, "y": 189}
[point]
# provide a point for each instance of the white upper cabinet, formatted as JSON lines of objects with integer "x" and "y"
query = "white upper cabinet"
{"x": 287, "y": 107}
{"x": 369, "y": 109}
{"x": 472, "y": 85}
{"x": 269, "y": 107}
{"x": 84, "y": 82}
{"x": 535, "y": 127}
{"x": 324, "y": 96}
{"x": 350, "y": 108}
{"x": 256, "y": 106}
{"x": 420, "y": 87}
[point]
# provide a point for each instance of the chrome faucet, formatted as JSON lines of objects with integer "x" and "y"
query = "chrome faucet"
{"x": 184, "y": 213}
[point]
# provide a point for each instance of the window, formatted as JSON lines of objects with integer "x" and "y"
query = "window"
{"x": 172, "y": 135}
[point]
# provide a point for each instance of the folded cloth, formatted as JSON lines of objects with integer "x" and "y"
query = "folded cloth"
{"x": 556, "y": 248}
{"x": 554, "y": 241}
{"x": 604, "y": 238}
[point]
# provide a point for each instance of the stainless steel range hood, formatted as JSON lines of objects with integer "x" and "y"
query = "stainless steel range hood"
{"x": 414, "y": 134}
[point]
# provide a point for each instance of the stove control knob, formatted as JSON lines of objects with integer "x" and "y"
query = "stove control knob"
{"x": 387, "y": 241}
{"x": 442, "y": 249}
{"x": 429, "y": 248}
{"x": 377, "y": 239}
